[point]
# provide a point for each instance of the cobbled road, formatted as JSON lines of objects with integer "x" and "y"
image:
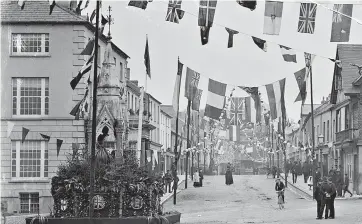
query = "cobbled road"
{"x": 252, "y": 199}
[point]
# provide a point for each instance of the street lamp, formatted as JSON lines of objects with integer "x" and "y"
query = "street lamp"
{"x": 320, "y": 143}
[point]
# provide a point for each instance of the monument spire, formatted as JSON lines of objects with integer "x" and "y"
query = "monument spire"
{"x": 110, "y": 21}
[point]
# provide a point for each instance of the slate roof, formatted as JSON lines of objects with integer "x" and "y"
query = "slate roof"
{"x": 12, "y": 13}
{"x": 349, "y": 53}
{"x": 168, "y": 109}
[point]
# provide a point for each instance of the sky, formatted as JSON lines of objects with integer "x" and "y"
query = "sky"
{"x": 244, "y": 64}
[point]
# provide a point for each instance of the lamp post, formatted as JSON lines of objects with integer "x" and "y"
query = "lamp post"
{"x": 320, "y": 144}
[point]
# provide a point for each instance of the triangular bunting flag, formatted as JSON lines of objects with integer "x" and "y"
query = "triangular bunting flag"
{"x": 289, "y": 54}
{"x": 25, "y": 132}
{"x": 300, "y": 76}
{"x": 10, "y": 128}
{"x": 337, "y": 62}
{"x": 231, "y": 36}
{"x": 59, "y": 144}
{"x": 92, "y": 16}
{"x": 250, "y": 4}
{"x": 260, "y": 43}
{"x": 46, "y": 137}
{"x": 88, "y": 48}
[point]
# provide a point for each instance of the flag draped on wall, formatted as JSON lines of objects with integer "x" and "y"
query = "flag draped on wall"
{"x": 289, "y": 54}
{"x": 176, "y": 92}
{"x": 234, "y": 133}
{"x": 206, "y": 18}
{"x": 341, "y": 25}
{"x": 250, "y": 4}
{"x": 147, "y": 59}
{"x": 250, "y": 111}
{"x": 215, "y": 99}
{"x": 307, "y": 16}
{"x": 191, "y": 83}
{"x": 254, "y": 93}
{"x": 174, "y": 12}
{"x": 85, "y": 69}
{"x": 260, "y": 43}
{"x": 142, "y": 4}
{"x": 301, "y": 78}
{"x": 275, "y": 93}
{"x": 196, "y": 100}
{"x": 273, "y": 17}
{"x": 231, "y": 36}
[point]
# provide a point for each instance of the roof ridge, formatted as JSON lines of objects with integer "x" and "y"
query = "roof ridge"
{"x": 71, "y": 13}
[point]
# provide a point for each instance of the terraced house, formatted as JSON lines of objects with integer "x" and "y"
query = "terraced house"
{"x": 40, "y": 56}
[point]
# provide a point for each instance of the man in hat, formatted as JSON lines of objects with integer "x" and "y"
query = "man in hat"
{"x": 333, "y": 197}
{"x": 318, "y": 197}
{"x": 279, "y": 186}
{"x": 346, "y": 184}
{"x": 326, "y": 197}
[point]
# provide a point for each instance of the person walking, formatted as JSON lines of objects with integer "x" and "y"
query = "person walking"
{"x": 228, "y": 175}
{"x": 333, "y": 197}
{"x": 305, "y": 171}
{"x": 318, "y": 197}
{"x": 280, "y": 187}
{"x": 168, "y": 181}
{"x": 346, "y": 184}
{"x": 201, "y": 177}
{"x": 294, "y": 173}
{"x": 326, "y": 198}
{"x": 339, "y": 183}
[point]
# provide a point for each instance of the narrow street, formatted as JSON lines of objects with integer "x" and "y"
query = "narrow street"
{"x": 252, "y": 199}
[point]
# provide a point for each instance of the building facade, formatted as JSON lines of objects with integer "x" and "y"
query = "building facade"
{"x": 165, "y": 139}
{"x": 40, "y": 56}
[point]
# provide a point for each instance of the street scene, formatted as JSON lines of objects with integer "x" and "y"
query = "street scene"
{"x": 171, "y": 111}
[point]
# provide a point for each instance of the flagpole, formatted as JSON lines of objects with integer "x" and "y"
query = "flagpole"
{"x": 198, "y": 141}
{"x": 312, "y": 117}
{"x": 176, "y": 141}
{"x": 94, "y": 117}
{"x": 187, "y": 140}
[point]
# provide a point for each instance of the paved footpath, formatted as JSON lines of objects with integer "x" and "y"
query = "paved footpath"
{"x": 252, "y": 199}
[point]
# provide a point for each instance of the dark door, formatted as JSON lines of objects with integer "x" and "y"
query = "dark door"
{"x": 355, "y": 174}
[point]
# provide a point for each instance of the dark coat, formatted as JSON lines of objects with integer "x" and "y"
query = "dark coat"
{"x": 318, "y": 193}
{"x": 334, "y": 189}
{"x": 279, "y": 187}
{"x": 306, "y": 168}
{"x": 326, "y": 189}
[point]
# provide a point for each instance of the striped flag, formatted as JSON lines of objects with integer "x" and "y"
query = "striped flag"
{"x": 289, "y": 54}
{"x": 341, "y": 26}
{"x": 176, "y": 92}
{"x": 174, "y": 12}
{"x": 234, "y": 133}
{"x": 89, "y": 47}
{"x": 275, "y": 93}
{"x": 250, "y": 111}
{"x": 215, "y": 99}
{"x": 273, "y": 17}
{"x": 254, "y": 93}
{"x": 85, "y": 69}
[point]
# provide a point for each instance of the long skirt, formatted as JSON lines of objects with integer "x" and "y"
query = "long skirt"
{"x": 229, "y": 178}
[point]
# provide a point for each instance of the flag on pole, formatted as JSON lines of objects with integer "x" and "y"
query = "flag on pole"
{"x": 176, "y": 92}
{"x": 309, "y": 58}
{"x": 196, "y": 100}
{"x": 250, "y": 111}
{"x": 275, "y": 93}
{"x": 206, "y": 18}
{"x": 215, "y": 99}
{"x": 307, "y": 17}
{"x": 142, "y": 4}
{"x": 273, "y": 17}
{"x": 234, "y": 133}
{"x": 260, "y": 43}
{"x": 76, "y": 111}
{"x": 52, "y": 5}
{"x": 24, "y": 133}
{"x": 254, "y": 93}
{"x": 92, "y": 16}
{"x": 104, "y": 21}
{"x": 191, "y": 83}
{"x": 46, "y": 137}
{"x": 250, "y": 4}
{"x": 147, "y": 59}
{"x": 10, "y": 128}
{"x": 301, "y": 78}
{"x": 341, "y": 25}
{"x": 85, "y": 69}
{"x": 59, "y": 144}
{"x": 289, "y": 54}
{"x": 174, "y": 12}
{"x": 88, "y": 50}
{"x": 231, "y": 36}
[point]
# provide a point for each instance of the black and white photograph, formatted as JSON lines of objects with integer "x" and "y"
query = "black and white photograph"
{"x": 181, "y": 111}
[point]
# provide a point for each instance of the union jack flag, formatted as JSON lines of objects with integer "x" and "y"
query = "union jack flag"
{"x": 191, "y": 83}
{"x": 237, "y": 111}
{"x": 174, "y": 12}
{"x": 307, "y": 17}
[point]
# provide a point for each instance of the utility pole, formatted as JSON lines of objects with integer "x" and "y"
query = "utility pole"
{"x": 198, "y": 141}
{"x": 187, "y": 140}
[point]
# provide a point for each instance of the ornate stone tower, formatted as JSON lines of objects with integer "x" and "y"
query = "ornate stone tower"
{"x": 111, "y": 108}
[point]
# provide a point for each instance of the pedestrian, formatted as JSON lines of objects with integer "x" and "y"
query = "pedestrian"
{"x": 294, "y": 172}
{"x": 228, "y": 175}
{"x": 318, "y": 175}
{"x": 168, "y": 181}
{"x": 279, "y": 188}
{"x": 299, "y": 168}
{"x": 274, "y": 171}
{"x": 326, "y": 197}
{"x": 346, "y": 184}
{"x": 305, "y": 171}
{"x": 196, "y": 179}
{"x": 318, "y": 197}
{"x": 333, "y": 197}
{"x": 339, "y": 183}
{"x": 176, "y": 180}
{"x": 201, "y": 177}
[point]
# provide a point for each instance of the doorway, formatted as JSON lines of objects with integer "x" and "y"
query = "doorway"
{"x": 355, "y": 174}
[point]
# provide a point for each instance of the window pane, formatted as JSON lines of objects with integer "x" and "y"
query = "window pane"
{"x": 30, "y": 155}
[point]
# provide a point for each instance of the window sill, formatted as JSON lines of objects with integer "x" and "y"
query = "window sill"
{"x": 21, "y": 180}
{"x": 30, "y": 55}
{"x": 29, "y": 117}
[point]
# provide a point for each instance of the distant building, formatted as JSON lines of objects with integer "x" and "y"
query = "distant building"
{"x": 165, "y": 138}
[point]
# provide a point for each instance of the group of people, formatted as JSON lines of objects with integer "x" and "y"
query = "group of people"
{"x": 298, "y": 169}
{"x": 325, "y": 194}
{"x": 198, "y": 178}
{"x": 168, "y": 178}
